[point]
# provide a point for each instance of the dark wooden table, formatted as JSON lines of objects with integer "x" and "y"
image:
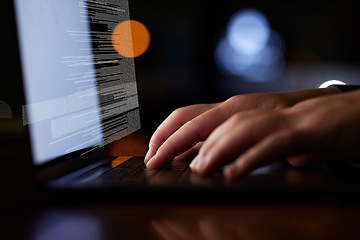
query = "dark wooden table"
{"x": 143, "y": 221}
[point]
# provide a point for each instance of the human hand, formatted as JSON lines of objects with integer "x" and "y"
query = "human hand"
{"x": 316, "y": 129}
{"x": 183, "y": 132}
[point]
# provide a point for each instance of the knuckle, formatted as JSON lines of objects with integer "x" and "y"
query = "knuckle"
{"x": 194, "y": 128}
{"x": 182, "y": 114}
{"x": 179, "y": 113}
{"x": 239, "y": 117}
{"x": 235, "y": 99}
{"x": 259, "y": 101}
{"x": 192, "y": 124}
{"x": 293, "y": 136}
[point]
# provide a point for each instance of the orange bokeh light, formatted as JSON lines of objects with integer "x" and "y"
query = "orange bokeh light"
{"x": 130, "y": 38}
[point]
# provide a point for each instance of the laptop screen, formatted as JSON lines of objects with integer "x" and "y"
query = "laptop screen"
{"x": 80, "y": 94}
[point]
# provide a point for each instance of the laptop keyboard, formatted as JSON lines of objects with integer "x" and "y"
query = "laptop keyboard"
{"x": 134, "y": 171}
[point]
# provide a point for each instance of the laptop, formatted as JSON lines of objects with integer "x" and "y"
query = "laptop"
{"x": 81, "y": 95}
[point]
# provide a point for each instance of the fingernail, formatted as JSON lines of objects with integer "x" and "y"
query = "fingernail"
{"x": 149, "y": 162}
{"x": 195, "y": 163}
{"x": 146, "y": 159}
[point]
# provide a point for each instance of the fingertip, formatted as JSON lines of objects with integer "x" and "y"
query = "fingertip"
{"x": 150, "y": 154}
{"x": 146, "y": 158}
{"x": 200, "y": 166}
{"x": 151, "y": 164}
{"x": 232, "y": 172}
{"x": 303, "y": 160}
{"x": 229, "y": 172}
{"x": 194, "y": 163}
{"x": 157, "y": 162}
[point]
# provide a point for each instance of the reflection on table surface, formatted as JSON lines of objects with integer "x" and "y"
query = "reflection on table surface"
{"x": 194, "y": 222}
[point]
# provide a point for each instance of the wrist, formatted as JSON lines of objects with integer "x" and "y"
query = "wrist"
{"x": 302, "y": 95}
{"x": 343, "y": 88}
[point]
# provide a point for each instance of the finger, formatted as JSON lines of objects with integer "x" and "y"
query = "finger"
{"x": 303, "y": 160}
{"x": 189, "y": 154}
{"x": 172, "y": 123}
{"x": 278, "y": 145}
{"x": 220, "y": 145}
{"x": 188, "y": 135}
{"x": 232, "y": 138}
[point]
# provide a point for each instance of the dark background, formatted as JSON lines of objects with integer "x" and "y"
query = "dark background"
{"x": 178, "y": 69}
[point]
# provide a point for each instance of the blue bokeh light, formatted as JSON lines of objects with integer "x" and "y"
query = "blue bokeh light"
{"x": 250, "y": 49}
{"x": 248, "y": 31}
